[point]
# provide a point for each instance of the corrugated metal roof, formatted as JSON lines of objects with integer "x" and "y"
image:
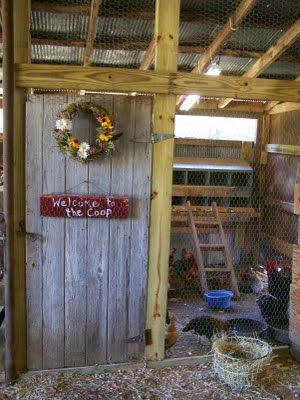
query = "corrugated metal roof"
{"x": 258, "y": 39}
{"x": 124, "y": 28}
{"x": 46, "y": 24}
{"x": 120, "y": 58}
{"x": 124, "y": 34}
{"x": 57, "y": 54}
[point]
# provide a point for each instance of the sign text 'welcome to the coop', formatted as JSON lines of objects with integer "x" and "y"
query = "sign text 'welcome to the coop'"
{"x": 81, "y": 206}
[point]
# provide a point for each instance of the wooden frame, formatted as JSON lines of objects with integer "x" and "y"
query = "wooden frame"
{"x": 16, "y": 49}
{"x": 287, "y": 149}
{"x": 44, "y": 76}
{"x": 167, "y": 28}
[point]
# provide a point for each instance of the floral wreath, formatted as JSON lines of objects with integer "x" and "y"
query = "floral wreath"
{"x": 69, "y": 144}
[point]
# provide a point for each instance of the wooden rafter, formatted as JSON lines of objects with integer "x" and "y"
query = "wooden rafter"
{"x": 92, "y": 29}
{"x": 228, "y": 29}
{"x": 242, "y": 106}
{"x": 148, "y": 56}
{"x": 284, "y": 107}
{"x": 271, "y": 104}
{"x": 283, "y": 43}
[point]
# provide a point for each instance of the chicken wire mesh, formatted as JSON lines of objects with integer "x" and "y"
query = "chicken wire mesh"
{"x": 238, "y": 283}
{"x": 118, "y": 33}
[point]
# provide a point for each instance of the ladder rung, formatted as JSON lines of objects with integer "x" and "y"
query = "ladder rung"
{"x": 212, "y": 246}
{"x": 217, "y": 270}
{"x": 203, "y": 222}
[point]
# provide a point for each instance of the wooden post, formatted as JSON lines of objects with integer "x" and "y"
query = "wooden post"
{"x": 166, "y": 51}
{"x": 18, "y": 12}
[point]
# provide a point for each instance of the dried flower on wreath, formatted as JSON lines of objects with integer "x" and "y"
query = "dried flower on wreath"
{"x": 68, "y": 143}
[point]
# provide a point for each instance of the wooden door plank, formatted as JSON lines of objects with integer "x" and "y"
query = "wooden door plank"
{"x": 120, "y": 240}
{"x": 141, "y": 188}
{"x": 53, "y": 245}
{"x": 98, "y": 258}
{"x": 76, "y": 255}
{"x": 34, "y": 268}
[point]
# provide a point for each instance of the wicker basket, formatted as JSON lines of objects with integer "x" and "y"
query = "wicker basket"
{"x": 239, "y": 359}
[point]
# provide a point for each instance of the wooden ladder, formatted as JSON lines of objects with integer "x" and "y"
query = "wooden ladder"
{"x": 217, "y": 223}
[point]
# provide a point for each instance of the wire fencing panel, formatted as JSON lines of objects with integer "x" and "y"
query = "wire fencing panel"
{"x": 254, "y": 198}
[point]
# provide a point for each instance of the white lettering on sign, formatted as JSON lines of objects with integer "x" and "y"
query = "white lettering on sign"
{"x": 73, "y": 207}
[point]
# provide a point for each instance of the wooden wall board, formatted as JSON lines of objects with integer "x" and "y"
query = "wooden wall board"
{"x": 76, "y": 175}
{"x": 98, "y": 251}
{"x": 280, "y": 177}
{"x": 34, "y": 271}
{"x": 119, "y": 259}
{"x": 284, "y": 128}
{"x": 53, "y": 249}
{"x": 139, "y": 218}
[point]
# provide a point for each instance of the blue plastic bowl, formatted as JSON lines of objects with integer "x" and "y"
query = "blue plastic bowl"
{"x": 218, "y": 298}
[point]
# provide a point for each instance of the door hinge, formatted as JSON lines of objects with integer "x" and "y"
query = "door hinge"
{"x": 148, "y": 337}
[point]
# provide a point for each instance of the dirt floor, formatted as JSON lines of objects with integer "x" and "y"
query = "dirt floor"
{"x": 185, "y": 310}
{"x": 280, "y": 380}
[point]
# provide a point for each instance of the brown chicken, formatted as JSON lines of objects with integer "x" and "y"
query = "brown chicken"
{"x": 172, "y": 335}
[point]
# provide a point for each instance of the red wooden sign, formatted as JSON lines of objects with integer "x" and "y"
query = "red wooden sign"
{"x": 69, "y": 206}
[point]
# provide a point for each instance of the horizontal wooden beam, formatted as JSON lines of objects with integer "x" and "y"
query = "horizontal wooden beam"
{"x": 208, "y": 209}
{"x": 210, "y": 191}
{"x": 209, "y": 143}
{"x": 284, "y": 107}
{"x": 272, "y": 104}
{"x": 228, "y": 162}
{"x": 287, "y": 149}
{"x": 281, "y": 246}
{"x": 281, "y": 205}
{"x": 44, "y": 76}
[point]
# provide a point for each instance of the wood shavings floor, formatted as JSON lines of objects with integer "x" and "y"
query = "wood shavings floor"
{"x": 280, "y": 381}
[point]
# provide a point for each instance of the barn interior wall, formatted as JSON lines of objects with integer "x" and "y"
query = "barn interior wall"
{"x": 281, "y": 175}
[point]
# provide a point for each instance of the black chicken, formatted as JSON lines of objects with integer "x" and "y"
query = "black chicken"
{"x": 278, "y": 283}
{"x": 2, "y": 315}
{"x": 273, "y": 311}
{"x": 207, "y": 326}
{"x": 274, "y": 306}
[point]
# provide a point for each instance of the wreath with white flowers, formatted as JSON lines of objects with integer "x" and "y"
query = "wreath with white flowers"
{"x": 69, "y": 144}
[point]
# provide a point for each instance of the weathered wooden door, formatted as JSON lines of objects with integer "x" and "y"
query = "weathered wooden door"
{"x": 86, "y": 278}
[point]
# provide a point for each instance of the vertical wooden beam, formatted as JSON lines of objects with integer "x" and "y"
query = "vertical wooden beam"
{"x": 92, "y": 30}
{"x": 166, "y": 53}
{"x": 14, "y": 106}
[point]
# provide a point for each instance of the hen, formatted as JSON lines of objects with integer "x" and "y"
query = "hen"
{"x": 172, "y": 335}
{"x": 207, "y": 326}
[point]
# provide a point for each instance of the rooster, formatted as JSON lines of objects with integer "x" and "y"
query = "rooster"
{"x": 207, "y": 326}
{"x": 171, "y": 335}
{"x": 274, "y": 306}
